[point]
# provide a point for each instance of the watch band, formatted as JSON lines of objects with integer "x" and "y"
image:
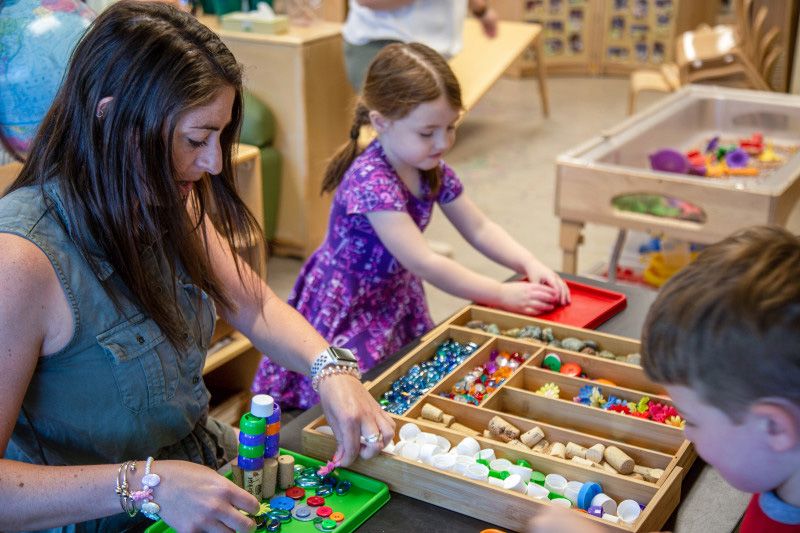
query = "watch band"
{"x": 333, "y": 356}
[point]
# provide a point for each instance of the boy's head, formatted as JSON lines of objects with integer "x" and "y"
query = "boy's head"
{"x": 723, "y": 336}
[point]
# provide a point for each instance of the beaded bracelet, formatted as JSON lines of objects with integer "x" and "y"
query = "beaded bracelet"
{"x": 150, "y": 480}
{"x": 333, "y": 370}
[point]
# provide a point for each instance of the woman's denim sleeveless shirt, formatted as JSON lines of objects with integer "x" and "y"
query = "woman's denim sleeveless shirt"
{"x": 119, "y": 390}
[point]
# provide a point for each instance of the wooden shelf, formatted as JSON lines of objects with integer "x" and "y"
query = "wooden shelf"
{"x": 239, "y": 344}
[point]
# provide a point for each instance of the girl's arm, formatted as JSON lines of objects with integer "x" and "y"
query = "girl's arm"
{"x": 40, "y": 497}
{"x": 381, "y": 5}
{"x": 401, "y": 236}
{"x": 495, "y": 243}
{"x": 277, "y": 329}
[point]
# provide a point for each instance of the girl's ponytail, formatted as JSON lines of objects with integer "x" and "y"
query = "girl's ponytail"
{"x": 344, "y": 157}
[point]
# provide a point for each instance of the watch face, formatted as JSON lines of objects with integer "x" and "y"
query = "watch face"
{"x": 343, "y": 354}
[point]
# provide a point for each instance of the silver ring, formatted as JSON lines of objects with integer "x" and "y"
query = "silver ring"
{"x": 372, "y": 439}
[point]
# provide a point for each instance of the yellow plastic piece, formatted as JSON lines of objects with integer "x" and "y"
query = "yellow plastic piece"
{"x": 769, "y": 156}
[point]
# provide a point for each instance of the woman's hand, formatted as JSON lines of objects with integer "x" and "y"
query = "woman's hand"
{"x": 553, "y": 519}
{"x": 538, "y": 272}
{"x": 489, "y": 22}
{"x": 526, "y": 297}
{"x": 196, "y": 498}
{"x": 352, "y": 413}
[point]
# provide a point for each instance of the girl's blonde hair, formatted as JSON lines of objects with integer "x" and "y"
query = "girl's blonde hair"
{"x": 401, "y": 77}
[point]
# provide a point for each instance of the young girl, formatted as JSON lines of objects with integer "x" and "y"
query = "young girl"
{"x": 362, "y": 289}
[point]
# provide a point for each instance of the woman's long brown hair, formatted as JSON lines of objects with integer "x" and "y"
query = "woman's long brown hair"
{"x": 116, "y": 173}
{"x": 401, "y": 77}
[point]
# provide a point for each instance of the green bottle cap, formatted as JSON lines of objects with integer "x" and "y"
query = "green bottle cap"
{"x": 251, "y": 452}
{"x": 252, "y": 425}
{"x": 523, "y": 462}
{"x": 537, "y": 477}
{"x": 484, "y": 462}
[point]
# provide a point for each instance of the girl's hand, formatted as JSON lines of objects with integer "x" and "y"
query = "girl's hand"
{"x": 526, "y": 297}
{"x": 196, "y": 498}
{"x": 352, "y": 413}
{"x": 537, "y": 272}
{"x": 553, "y": 519}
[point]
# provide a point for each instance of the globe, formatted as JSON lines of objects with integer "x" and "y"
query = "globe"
{"x": 36, "y": 40}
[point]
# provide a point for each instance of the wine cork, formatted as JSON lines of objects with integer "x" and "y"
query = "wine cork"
{"x": 503, "y": 429}
{"x": 285, "y": 471}
{"x": 581, "y": 461}
{"x": 455, "y": 426}
{"x": 636, "y": 475}
{"x": 518, "y": 444}
{"x": 431, "y": 412}
{"x": 429, "y": 421}
{"x": 447, "y": 419}
{"x": 558, "y": 450}
{"x": 270, "y": 478}
{"x": 595, "y": 453}
{"x": 532, "y": 436}
{"x": 238, "y": 475}
{"x": 488, "y": 435}
{"x": 541, "y": 446}
{"x": 655, "y": 475}
{"x": 621, "y": 462}
{"x": 575, "y": 450}
{"x": 608, "y": 468}
{"x": 643, "y": 470}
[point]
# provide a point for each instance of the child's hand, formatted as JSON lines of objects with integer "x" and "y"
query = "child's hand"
{"x": 526, "y": 297}
{"x": 537, "y": 272}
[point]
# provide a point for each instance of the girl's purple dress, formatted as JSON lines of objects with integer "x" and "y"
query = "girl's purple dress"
{"x": 352, "y": 290}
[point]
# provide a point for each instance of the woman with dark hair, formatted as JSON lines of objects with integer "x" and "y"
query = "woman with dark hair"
{"x": 119, "y": 238}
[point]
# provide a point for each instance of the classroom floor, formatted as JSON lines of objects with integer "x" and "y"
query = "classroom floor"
{"x": 505, "y": 154}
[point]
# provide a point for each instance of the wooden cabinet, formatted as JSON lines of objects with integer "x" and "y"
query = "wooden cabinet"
{"x": 300, "y": 75}
{"x": 606, "y": 36}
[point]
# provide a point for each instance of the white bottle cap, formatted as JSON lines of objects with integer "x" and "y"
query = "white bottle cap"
{"x": 262, "y": 405}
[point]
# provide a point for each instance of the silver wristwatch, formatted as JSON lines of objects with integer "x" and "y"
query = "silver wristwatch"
{"x": 333, "y": 356}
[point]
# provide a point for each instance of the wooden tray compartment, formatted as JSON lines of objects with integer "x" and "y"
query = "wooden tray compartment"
{"x": 426, "y": 351}
{"x": 625, "y": 375}
{"x": 505, "y": 320}
{"x": 481, "y": 357}
{"x": 649, "y": 443}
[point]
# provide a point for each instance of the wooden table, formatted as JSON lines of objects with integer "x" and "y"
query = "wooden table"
{"x": 482, "y": 60}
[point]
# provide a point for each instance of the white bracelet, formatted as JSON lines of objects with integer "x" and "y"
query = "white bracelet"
{"x": 333, "y": 370}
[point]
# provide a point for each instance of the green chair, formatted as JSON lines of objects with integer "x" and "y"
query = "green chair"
{"x": 258, "y": 129}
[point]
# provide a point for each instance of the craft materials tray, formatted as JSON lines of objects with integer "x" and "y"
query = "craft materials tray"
{"x": 365, "y": 497}
{"x": 654, "y": 446}
{"x": 590, "y": 306}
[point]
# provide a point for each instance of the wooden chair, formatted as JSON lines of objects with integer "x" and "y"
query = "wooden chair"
{"x": 747, "y": 51}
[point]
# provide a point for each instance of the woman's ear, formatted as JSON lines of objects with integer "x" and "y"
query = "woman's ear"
{"x": 779, "y": 421}
{"x": 378, "y": 121}
{"x": 102, "y": 105}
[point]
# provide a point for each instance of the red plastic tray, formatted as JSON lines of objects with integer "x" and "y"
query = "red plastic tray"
{"x": 590, "y": 306}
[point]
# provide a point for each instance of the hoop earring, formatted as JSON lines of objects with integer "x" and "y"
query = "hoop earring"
{"x": 100, "y": 113}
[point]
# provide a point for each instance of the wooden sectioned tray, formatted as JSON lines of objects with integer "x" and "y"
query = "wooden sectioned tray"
{"x": 648, "y": 443}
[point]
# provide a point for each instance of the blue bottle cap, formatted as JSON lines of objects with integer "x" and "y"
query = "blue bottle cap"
{"x": 251, "y": 440}
{"x": 246, "y": 463}
{"x": 588, "y": 491}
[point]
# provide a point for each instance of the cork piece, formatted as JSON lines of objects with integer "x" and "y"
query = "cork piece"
{"x": 503, "y": 429}
{"x": 448, "y": 419}
{"x": 429, "y": 421}
{"x": 488, "y": 435}
{"x": 581, "y": 461}
{"x": 541, "y": 446}
{"x": 518, "y": 444}
{"x": 432, "y": 413}
{"x": 595, "y": 453}
{"x": 618, "y": 459}
{"x": 575, "y": 450}
{"x": 655, "y": 475}
{"x": 608, "y": 468}
{"x": 636, "y": 475}
{"x": 238, "y": 475}
{"x": 531, "y": 437}
{"x": 455, "y": 426}
{"x": 285, "y": 471}
{"x": 643, "y": 470}
{"x": 270, "y": 478}
{"x": 558, "y": 450}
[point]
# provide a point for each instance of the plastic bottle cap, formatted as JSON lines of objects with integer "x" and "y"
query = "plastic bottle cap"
{"x": 247, "y": 463}
{"x": 262, "y": 405}
{"x": 587, "y": 493}
{"x": 252, "y": 425}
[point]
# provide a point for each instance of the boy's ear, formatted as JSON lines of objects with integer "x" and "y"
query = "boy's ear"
{"x": 779, "y": 421}
{"x": 379, "y": 122}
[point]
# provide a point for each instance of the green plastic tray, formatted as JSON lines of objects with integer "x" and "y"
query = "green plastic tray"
{"x": 365, "y": 497}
